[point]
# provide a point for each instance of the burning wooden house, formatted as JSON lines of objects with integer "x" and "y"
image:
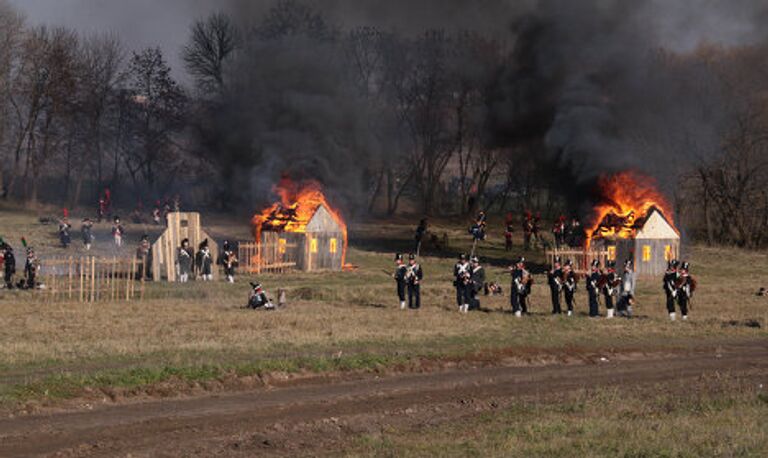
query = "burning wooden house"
{"x": 302, "y": 231}
{"x": 633, "y": 224}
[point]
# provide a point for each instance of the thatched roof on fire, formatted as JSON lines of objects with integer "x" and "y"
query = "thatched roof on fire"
{"x": 652, "y": 225}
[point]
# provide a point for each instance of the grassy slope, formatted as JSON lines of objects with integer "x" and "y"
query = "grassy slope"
{"x": 722, "y": 417}
{"x": 335, "y": 321}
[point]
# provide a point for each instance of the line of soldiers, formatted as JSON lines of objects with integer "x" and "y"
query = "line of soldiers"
{"x": 616, "y": 290}
{"x": 86, "y": 232}
{"x": 469, "y": 280}
{"x": 189, "y": 262}
{"x": 679, "y": 287}
{"x": 408, "y": 278}
{"x": 8, "y": 267}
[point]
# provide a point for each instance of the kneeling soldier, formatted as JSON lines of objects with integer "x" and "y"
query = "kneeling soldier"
{"x": 258, "y": 298}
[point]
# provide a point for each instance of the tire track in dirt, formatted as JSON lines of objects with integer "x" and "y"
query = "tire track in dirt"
{"x": 201, "y": 426}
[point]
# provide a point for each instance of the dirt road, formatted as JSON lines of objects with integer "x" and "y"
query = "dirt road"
{"x": 315, "y": 417}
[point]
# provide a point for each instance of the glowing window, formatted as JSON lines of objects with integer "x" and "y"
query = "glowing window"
{"x": 334, "y": 247}
{"x": 668, "y": 253}
{"x": 611, "y": 253}
{"x": 313, "y": 245}
{"x": 281, "y": 246}
{"x": 646, "y": 253}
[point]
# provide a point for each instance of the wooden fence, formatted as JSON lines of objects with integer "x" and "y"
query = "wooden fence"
{"x": 257, "y": 258}
{"x": 582, "y": 259}
{"x": 91, "y": 279}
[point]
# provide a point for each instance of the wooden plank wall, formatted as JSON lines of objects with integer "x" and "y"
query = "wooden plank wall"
{"x": 657, "y": 264}
{"x": 181, "y": 225}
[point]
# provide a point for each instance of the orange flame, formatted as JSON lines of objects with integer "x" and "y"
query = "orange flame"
{"x": 298, "y": 204}
{"x": 626, "y": 200}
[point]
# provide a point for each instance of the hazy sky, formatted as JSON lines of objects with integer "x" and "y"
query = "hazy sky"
{"x": 140, "y": 23}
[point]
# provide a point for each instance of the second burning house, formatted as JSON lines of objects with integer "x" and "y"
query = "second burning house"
{"x": 650, "y": 242}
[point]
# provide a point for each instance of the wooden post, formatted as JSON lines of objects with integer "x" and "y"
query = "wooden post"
{"x": 81, "y": 271}
{"x": 93, "y": 279}
{"x": 132, "y": 284}
{"x": 69, "y": 276}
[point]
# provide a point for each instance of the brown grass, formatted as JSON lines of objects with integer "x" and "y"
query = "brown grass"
{"x": 356, "y": 312}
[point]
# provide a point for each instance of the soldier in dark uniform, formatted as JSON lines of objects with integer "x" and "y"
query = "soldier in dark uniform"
{"x": 670, "y": 287}
{"x": 593, "y": 288}
{"x": 64, "y": 232}
{"x": 414, "y": 275}
{"x": 101, "y": 211}
{"x": 400, "y": 271}
{"x": 31, "y": 267}
{"x": 461, "y": 277}
{"x": 185, "y": 260}
{"x": 555, "y": 281}
{"x": 86, "y": 232}
{"x": 575, "y": 237}
{"x": 258, "y": 298}
{"x": 156, "y": 214}
{"x": 144, "y": 258}
{"x": 117, "y": 232}
{"x": 9, "y": 264}
{"x": 228, "y": 259}
{"x": 476, "y": 283}
{"x": 478, "y": 228}
{"x": 686, "y": 285}
{"x": 421, "y": 231}
{"x": 204, "y": 261}
{"x": 521, "y": 287}
{"x": 610, "y": 287}
{"x": 569, "y": 280}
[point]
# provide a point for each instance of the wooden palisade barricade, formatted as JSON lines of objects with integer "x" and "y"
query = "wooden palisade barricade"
{"x": 258, "y": 258}
{"x": 91, "y": 279}
{"x": 582, "y": 259}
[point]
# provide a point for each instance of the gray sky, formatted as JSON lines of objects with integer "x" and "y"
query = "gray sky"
{"x": 139, "y": 23}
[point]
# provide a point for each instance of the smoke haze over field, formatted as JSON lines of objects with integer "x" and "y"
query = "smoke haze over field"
{"x": 597, "y": 85}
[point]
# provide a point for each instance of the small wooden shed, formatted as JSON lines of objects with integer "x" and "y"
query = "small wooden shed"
{"x": 318, "y": 245}
{"x": 181, "y": 225}
{"x": 655, "y": 241}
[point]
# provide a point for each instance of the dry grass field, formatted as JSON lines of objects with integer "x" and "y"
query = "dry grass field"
{"x": 185, "y": 335}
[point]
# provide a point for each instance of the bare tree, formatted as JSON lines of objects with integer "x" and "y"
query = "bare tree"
{"x": 49, "y": 89}
{"x": 99, "y": 64}
{"x": 11, "y": 29}
{"x": 212, "y": 44}
{"x": 156, "y": 115}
